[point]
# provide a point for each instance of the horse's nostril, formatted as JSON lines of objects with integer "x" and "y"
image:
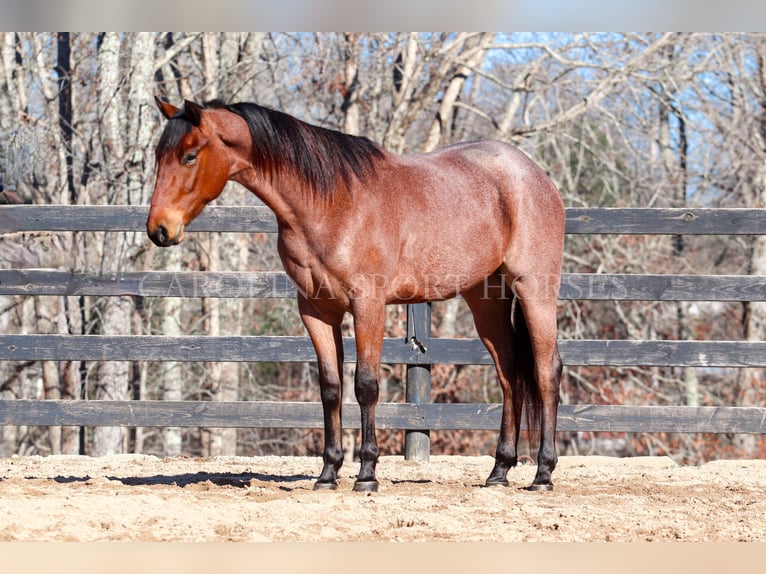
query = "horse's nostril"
{"x": 161, "y": 234}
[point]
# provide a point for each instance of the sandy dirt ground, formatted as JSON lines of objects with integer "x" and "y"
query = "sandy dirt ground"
{"x": 144, "y": 498}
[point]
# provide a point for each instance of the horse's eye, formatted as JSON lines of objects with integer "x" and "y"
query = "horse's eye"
{"x": 189, "y": 158}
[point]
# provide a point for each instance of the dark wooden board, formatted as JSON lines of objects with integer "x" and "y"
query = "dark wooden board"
{"x": 243, "y": 219}
{"x": 433, "y": 416}
{"x": 626, "y": 353}
{"x": 657, "y": 221}
{"x": 697, "y": 221}
{"x": 628, "y": 287}
{"x": 276, "y": 284}
{"x": 264, "y": 284}
{"x": 395, "y": 350}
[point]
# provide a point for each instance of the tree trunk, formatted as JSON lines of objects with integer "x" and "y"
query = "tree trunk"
{"x": 223, "y": 253}
{"x": 8, "y": 391}
{"x": 141, "y": 125}
{"x": 70, "y": 437}
{"x": 47, "y": 312}
{"x": 674, "y": 164}
{"x": 66, "y": 119}
{"x": 9, "y": 109}
{"x": 171, "y": 383}
{"x": 141, "y": 121}
{"x": 752, "y": 382}
{"x": 350, "y": 108}
{"x": 223, "y": 376}
{"x": 171, "y": 386}
{"x": 441, "y": 126}
{"x": 404, "y": 85}
{"x": 113, "y": 377}
{"x": 70, "y": 322}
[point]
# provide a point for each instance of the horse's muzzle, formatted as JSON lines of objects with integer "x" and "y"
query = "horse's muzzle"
{"x": 161, "y": 237}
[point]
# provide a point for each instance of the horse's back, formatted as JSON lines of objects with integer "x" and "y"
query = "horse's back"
{"x": 455, "y": 213}
{"x": 493, "y": 167}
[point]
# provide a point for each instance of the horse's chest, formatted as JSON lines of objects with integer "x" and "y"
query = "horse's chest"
{"x": 308, "y": 271}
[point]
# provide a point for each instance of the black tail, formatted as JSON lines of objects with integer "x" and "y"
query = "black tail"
{"x": 526, "y": 393}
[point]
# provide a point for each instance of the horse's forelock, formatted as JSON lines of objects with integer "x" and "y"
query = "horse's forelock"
{"x": 178, "y": 126}
{"x": 175, "y": 129}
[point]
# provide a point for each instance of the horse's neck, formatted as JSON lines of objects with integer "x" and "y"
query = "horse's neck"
{"x": 285, "y": 198}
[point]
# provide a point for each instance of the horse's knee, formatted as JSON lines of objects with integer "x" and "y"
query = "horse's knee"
{"x": 366, "y": 386}
{"x": 330, "y": 392}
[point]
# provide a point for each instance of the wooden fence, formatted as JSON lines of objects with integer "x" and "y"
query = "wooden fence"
{"x": 418, "y": 415}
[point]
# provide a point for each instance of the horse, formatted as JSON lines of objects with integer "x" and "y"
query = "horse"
{"x": 360, "y": 228}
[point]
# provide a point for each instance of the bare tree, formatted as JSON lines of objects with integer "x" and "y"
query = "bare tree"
{"x": 171, "y": 83}
{"x": 616, "y": 119}
{"x": 126, "y": 131}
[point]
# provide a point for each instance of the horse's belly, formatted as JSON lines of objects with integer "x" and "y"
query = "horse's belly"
{"x": 436, "y": 284}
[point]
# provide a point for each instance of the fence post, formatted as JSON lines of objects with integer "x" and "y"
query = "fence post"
{"x": 417, "y": 443}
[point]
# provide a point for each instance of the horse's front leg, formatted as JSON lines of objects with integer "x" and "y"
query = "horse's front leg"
{"x": 369, "y": 317}
{"x": 325, "y": 334}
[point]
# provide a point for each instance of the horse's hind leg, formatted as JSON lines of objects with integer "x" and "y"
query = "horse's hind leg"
{"x": 491, "y": 304}
{"x": 538, "y": 297}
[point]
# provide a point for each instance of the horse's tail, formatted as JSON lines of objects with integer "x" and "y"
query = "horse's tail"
{"x": 526, "y": 393}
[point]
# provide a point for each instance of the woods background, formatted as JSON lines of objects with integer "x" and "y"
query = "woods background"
{"x": 617, "y": 120}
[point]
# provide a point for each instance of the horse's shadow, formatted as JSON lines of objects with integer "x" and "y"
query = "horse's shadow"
{"x": 237, "y": 480}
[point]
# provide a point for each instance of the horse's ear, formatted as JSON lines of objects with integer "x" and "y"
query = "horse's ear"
{"x": 193, "y": 112}
{"x": 168, "y": 110}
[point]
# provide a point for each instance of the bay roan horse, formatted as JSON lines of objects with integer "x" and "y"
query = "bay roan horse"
{"x": 360, "y": 228}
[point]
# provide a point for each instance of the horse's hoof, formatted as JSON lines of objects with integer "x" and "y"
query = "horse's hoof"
{"x": 325, "y": 486}
{"x": 366, "y": 486}
{"x": 496, "y": 482}
{"x": 539, "y": 487}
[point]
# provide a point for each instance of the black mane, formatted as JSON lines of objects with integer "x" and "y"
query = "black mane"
{"x": 323, "y": 159}
{"x": 175, "y": 128}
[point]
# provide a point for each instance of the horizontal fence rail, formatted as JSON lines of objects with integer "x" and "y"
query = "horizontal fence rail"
{"x": 582, "y": 352}
{"x": 422, "y": 416}
{"x": 255, "y": 219}
{"x": 276, "y": 284}
{"x": 391, "y": 416}
{"x": 655, "y": 221}
{"x": 259, "y": 219}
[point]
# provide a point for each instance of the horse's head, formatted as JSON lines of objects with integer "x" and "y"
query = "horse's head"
{"x": 193, "y": 164}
